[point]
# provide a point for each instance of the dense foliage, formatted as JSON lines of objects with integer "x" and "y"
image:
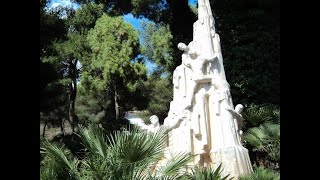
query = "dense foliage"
{"x": 261, "y": 173}
{"x": 111, "y": 70}
{"x": 262, "y": 135}
{"x": 250, "y": 42}
{"x": 121, "y": 155}
{"x": 160, "y": 97}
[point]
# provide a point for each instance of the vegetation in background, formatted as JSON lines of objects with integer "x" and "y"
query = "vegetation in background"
{"x": 250, "y": 47}
{"x": 250, "y": 41}
{"x": 145, "y": 116}
{"x": 156, "y": 46}
{"x": 111, "y": 70}
{"x": 68, "y": 54}
{"x": 160, "y": 92}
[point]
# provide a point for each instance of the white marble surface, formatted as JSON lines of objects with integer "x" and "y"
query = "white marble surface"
{"x": 202, "y": 119}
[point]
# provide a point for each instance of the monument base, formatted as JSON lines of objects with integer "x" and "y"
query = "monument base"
{"x": 235, "y": 160}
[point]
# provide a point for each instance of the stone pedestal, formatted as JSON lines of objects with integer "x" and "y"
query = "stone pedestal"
{"x": 235, "y": 160}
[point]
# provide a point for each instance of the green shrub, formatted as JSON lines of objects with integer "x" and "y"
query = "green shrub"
{"x": 262, "y": 134}
{"x": 207, "y": 173}
{"x": 122, "y": 155}
{"x": 261, "y": 173}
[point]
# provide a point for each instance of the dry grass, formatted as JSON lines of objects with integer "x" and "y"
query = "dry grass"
{"x": 51, "y": 132}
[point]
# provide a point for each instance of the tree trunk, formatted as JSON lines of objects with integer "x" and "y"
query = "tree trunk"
{"x": 72, "y": 101}
{"x": 116, "y": 104}
{"x": 72, "y": 93}
{"x": 62, "y": 127}
{"x": 44, "y": 129}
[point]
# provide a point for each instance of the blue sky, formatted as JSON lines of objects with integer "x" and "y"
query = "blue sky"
{"x": 135, "y": 22}
{"x": 64, "y": 3}
{"x": 193, "y": 2}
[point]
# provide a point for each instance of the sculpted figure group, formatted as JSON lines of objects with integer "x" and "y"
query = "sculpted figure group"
{"x": 202, "y": 119}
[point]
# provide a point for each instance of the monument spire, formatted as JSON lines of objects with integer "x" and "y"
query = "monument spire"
{"x": 202, "y": 119}
{"x": 204, "y": 9}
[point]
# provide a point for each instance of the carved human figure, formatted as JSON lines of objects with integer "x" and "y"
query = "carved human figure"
{"x": 195, "y": 62}
{"x": 238, "y": 120}
{"x": 221, "y": 102}
{"x": 173, "y": 122}
{"x": 154, "y": 126}
{"x": 221, "y": 93}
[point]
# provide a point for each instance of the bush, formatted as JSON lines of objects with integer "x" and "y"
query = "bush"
{"x": 121, "y": 155}
{"x": 261, "y": 173}
{"x": 207, "y": 174}
{"x": 262, "y": 135}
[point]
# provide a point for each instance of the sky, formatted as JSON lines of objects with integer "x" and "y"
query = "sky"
{"x": 193, "y": 2}
{"x": 135, "y": 22}
{"x": 64, "y": 3}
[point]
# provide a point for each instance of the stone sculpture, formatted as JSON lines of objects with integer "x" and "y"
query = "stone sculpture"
{"x": 153, "y": 127}
{"x": 202, "y": 119}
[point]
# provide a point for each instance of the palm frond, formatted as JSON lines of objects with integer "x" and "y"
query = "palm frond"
{"x": 207, "y": 173}
{"x": 255, "y": 137}
{"x": 272, "y": 131}
{"x": 257, "y": 115}
{"x": 56, "y": 162}
{"x": 272, "y": 146}
{"x": 265, "y": 138}
{"x": 261, "y": 173}
{"x": 174, "y": 166}
{"x": 137, "y": 145}
{"x": 94, "y": 140}
{"x": 276, "y": 115}
{"x": 96, "y": 167}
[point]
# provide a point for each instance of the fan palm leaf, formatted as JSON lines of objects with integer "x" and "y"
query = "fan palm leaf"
{"x": 207, "y": 173}
{"x": 93, "y": 140}
{"x": 265, "y": 138}
{"x": 261, "y": 173}
{"x": 175, "y": 166}
{"x": 257, "y": 115}
{"x": 137, "y": 145}
{"x": 124, "y": 155}
{"x": 56, "y": 162}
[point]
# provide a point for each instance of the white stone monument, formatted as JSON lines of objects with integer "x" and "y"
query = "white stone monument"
{"x": 202, "y": 119}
